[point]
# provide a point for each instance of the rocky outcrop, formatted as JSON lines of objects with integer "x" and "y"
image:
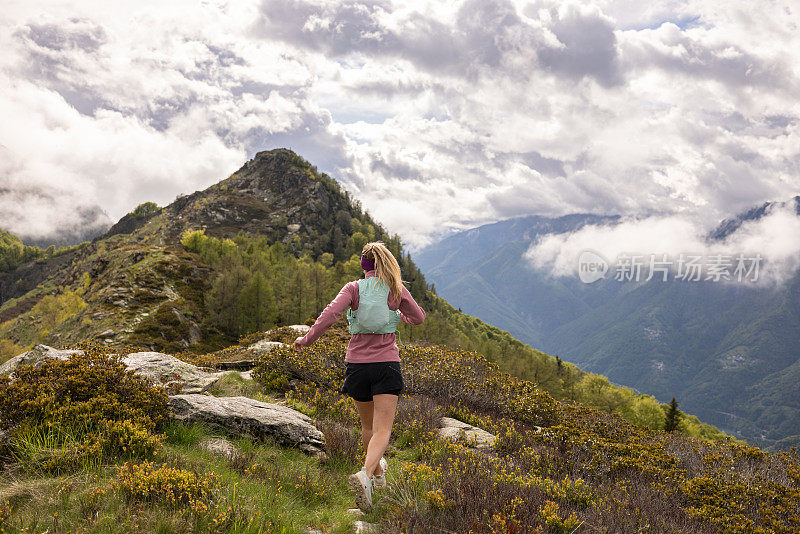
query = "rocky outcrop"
{"x": 170, "y": 372}
{"x": 163, "y": 369}
{"x": 246, "y": 416}
{"x": 455, "y": 430}
{"x": 35, "y": 357}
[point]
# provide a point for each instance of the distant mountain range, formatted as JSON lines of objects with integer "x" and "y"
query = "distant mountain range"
{"x": 728, "y": 353}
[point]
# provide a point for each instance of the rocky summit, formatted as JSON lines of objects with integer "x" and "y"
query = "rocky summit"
{"x": 137, "y": 284}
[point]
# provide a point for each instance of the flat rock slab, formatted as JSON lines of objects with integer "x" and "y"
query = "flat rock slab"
{"x": 163, "y": 369}
{"x": 246, "y": 416}
{"x": 35, "y": 357}
{"x": 452, "y": 429}
{"x": 170, "y": 372}
{"x": 247, "y": 375}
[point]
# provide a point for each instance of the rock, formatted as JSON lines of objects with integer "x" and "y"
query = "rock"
{"x": 355, "y": 511}
{"x": 35, "y": 357}
{"x": 247, "y": 375}
{"x": 106, "y": 333}
{"x": 362, "y": 527}
{"x": 452, "y": 429}
{"x": 170, "y": 372}
{"x": 300, "y": 328}
{"x": 245, "y": 416}
{"x": 265, "y": 346}
{"x": 220, "y": 447}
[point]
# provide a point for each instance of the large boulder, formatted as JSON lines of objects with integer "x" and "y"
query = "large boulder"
{"x": 35, "y": 357}
{"x": 455, "y": 430}
{"x": 170, "y": 372}
{"x": 246, "y": 416}
{"x": 163, "y": 369}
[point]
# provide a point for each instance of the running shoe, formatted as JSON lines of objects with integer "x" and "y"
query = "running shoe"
{"x": 361, "y": 484}
{"x": 379, "y": 481}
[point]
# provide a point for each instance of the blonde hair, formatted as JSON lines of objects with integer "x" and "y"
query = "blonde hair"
{"x": 386, "y": 267}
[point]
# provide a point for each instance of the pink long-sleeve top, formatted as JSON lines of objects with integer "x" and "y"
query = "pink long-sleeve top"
{"x": 365, "y": 348}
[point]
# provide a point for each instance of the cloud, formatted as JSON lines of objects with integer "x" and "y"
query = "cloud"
{"x": 773, "y": 237}
{"x": 501, "y": 107}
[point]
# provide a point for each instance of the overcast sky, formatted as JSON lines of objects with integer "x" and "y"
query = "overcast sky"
{"x": 436, "y": 115}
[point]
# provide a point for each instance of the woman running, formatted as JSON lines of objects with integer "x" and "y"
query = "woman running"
{"x": 373, "y": 376}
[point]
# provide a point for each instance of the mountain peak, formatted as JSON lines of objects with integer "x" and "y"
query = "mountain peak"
{"x": 276, "y": 193}
{"x": 271, "y": 172}
{"x": 730, "y": 225}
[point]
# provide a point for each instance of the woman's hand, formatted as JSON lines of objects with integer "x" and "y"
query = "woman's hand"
{"x": 297, "y": 344}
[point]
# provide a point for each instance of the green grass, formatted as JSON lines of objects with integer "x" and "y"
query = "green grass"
{"x": 272, "y": 500}
{"x": 232, "y": 384}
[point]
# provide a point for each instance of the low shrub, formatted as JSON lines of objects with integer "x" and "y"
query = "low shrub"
{"x": 62, "y": 414}
{"x": 168, "y": 485}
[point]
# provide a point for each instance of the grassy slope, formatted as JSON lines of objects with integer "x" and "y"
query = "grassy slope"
{"x": 585, "y": 465}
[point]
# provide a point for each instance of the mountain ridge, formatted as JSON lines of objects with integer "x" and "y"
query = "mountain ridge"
{"x": 276, "y": 231}
{"x": 646, "y": 336}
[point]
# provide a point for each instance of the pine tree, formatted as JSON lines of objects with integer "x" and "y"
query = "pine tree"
{"x": 257, "y": 305}
{"x": 223, "y": 299}
{"x": 673, "y": 417}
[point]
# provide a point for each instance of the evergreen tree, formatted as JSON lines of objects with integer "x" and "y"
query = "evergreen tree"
{"x": 673, "y": 417}
{"x": 257, "y": 310}
{"x": 223, "y": 300}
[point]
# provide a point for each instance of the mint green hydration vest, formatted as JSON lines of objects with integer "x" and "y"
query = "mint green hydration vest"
{"x": 373, "y": 315}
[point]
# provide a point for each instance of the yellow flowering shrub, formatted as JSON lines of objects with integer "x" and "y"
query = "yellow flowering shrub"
{"x": 64, "y": 414}
{"x": 585, "y": 462}
{"x": 168, "y": 485}
{"x": 552, "y": 518}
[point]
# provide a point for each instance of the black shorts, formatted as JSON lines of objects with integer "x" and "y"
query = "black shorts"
{"x": 363, "y": 380}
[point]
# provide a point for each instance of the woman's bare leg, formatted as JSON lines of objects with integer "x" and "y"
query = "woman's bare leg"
{"x": 382, "y": 421}
{"x": 365, "y": 412}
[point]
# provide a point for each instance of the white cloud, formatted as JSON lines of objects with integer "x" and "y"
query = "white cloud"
{"x": 499, "y": 107}
{"x": 773, "y": 237}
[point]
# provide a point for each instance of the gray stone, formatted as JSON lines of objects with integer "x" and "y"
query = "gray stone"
{"x": 170, "y": 372}
{"x": 453, "y": 429}
{"x": 265, "y": 346}
{"x": 362, "y": 527}
{"x": 245, "y": 416}
{"x": 220, "y": 447}
{"x": 35, "y": 357}
{"x": 300, "y": 328}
